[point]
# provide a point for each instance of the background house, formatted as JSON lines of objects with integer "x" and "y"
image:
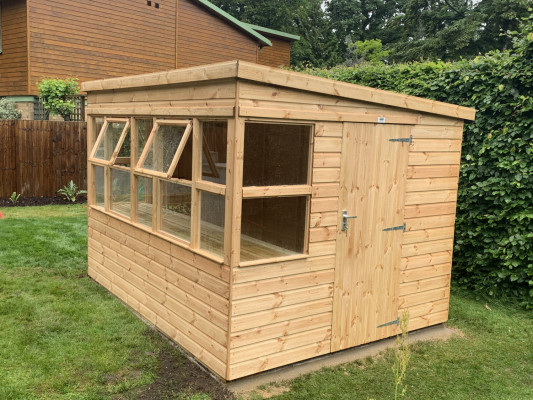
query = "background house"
{"x": 101, "y": 39}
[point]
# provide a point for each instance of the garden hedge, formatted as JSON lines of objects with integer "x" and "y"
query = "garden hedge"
{"x": 494, "y": 230}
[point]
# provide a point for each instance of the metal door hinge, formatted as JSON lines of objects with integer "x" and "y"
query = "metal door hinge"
{"x": 396, "y": 228}
{"x": 395, "y": 322}
{"x": 345, "y": 217}
{"x": 407, "y": 140}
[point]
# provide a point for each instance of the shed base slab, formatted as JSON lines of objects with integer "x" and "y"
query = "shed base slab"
{"x": 248, "y": 384}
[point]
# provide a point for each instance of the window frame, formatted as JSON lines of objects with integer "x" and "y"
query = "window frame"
{"x": 179, "y": 150}
{"x": 100, "y": 137}
{"x": 276, "y": 191}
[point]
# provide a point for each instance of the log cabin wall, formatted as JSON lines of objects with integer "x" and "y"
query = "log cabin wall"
{"x": 204, "y": 38}
{"x": 14, "y": 57}
{"x": 99, "y": 39}
{"x": 183, "y": 294}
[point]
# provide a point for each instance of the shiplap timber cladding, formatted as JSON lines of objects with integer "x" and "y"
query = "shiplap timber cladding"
{"x": 14, "y": 57}
{"x": 240, "y": 318}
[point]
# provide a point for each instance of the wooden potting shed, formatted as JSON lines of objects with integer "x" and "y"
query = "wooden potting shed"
{"x": 260, "y": 217}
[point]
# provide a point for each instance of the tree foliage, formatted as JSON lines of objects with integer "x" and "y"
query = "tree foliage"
{"x": 56, "y": 95}
{"x": 410, "y": 30}
{"x": 8, "y": 110}
{"x": 494, "y": 226}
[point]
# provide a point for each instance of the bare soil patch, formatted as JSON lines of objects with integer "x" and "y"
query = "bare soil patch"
{"x": 41, "y": 201}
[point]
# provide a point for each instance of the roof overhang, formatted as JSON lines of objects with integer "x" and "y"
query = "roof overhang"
{"x": 283, "y": 78}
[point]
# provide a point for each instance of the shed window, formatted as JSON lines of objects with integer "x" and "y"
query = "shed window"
{"x": 276, "y": 154}
{"x": 110, "y": 140}
{"x": 276, "y": 190}
{"x": 164, "y": 146}
{"x": 161, "y": 177}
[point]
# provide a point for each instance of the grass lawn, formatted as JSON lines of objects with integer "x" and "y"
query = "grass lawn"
{"x": 64, "y": 337}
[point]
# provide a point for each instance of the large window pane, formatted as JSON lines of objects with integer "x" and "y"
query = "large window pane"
{"x": 176, "y": 210}
{"x": 144, "y": 200}
{"x": 276, "y": 154}
{"x": 109, "y": 140}
{"x": 215, "y": 140}
{"x": 120, "y": 188}
{"x": 273, "y": 227}
{"x": 212, "y": 223}
{"x": 163, "y": 147}
{"x": 99, "y": 185}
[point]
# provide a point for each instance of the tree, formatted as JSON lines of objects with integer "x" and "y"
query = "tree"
{"x": 8, "y": 110}
{"x": 56, "y": 95}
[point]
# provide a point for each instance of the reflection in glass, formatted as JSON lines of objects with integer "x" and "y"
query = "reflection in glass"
{"x": 163, "y": 147}
{"x": 109, "y": 140}
{"x": 214, "y": 146}
{"x": 99, "y": 185}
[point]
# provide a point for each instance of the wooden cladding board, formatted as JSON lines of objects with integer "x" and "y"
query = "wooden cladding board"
{"x": 429, "y": 212}
{"x": 121, "y": 42}
{"x": 281, "y": 312}
{"x": 204, "y": 38}
{"x": 14, "y": 57}
{"x": 279, "y": 54}
{"x": 184, "y": 295}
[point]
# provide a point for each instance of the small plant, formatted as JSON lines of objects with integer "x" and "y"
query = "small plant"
{"x": 71, "y": 191}
{"x": 14, "y": 198}
{"x": 402, "y": 354}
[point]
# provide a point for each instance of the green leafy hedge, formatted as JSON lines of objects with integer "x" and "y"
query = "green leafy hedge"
{"x": 494, "y": 231}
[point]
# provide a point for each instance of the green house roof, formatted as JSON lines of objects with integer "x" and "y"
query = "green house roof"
{"x": 252, "y": 30}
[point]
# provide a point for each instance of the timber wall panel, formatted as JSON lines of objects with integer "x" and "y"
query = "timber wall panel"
{"x": 431, "y": 196}
{"x": 186, "y": 298}
{"x": 282, "y": 312}
{"x": 204, "y": 38}
{"x": 14, "y": 57}
{"x": 121, "y": 42}
{"x": 279, "y": 54}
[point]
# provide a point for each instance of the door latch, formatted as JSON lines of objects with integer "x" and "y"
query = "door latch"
{"x": 345, "y": 218}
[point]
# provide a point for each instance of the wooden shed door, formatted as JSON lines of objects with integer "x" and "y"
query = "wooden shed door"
{"x": 373, "y": 179}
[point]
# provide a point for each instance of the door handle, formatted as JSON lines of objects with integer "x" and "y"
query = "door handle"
{"x": 345, "y": 218}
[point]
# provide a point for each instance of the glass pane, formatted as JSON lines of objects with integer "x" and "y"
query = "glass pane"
{"x": 163, "y": 147}
{"x": 98, "y": 123}
{"x": 144, "y": 200}
{"x": 99, "y": 185}
{"x": 124, "y": 154}
{"x": 212, "y": 223}
{"x": 144, "y": 127}
{"x": 215, "y": 139}
{"x": 176, "y": 210}
{"x": 184, "y": 168}
{"x": 273, "y": 227}
{"x": 276, "y": 154}
{"x": 109, "y": 140}
{"x": 120, "y": 188}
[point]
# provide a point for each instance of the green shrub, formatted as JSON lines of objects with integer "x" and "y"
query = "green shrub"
{"x": 56, "y": 95}
{"x": 494, "y": 230}
{"x": 8, "y": 110}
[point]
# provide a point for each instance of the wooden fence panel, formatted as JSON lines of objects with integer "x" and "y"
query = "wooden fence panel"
{"x": 39, "y": 157}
